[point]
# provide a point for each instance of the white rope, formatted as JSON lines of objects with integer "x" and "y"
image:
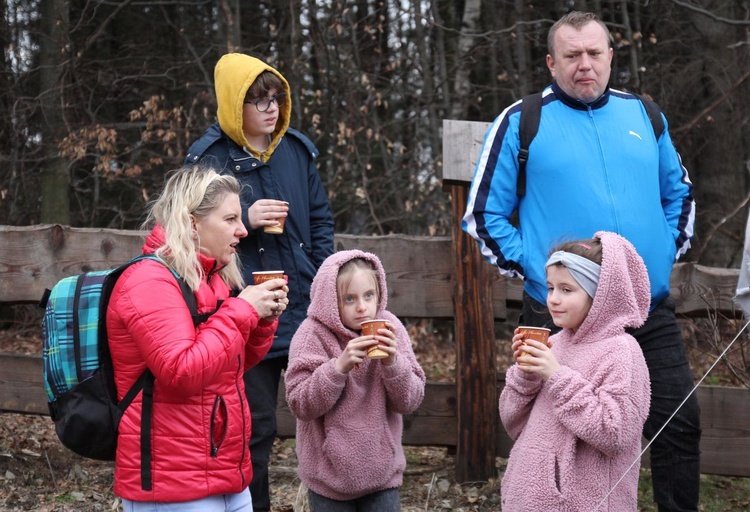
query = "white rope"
{"x": 721, "y": 356}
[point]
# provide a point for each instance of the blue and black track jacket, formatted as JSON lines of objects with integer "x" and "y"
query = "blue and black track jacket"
{"x": 591, "y": 167}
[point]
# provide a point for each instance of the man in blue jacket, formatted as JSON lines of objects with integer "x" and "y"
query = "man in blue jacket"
{"x": 276, "y": 166}
{"x": 596, "y": 164}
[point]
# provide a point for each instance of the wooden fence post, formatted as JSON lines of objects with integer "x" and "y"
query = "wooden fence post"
{"x": 476, "y": 372}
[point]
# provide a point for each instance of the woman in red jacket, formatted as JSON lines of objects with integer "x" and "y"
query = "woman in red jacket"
{"x": 194, "y": 455}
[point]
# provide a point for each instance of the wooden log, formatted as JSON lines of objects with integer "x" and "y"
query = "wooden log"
{"x": 696, "y": 289}
{"x": 725, "y": 416}
{"x": 419, "y": 271}
{"x": 432, "y": 424}
{"x": 725, "y": 420}
{"x": 21, "y": 384}
{"x": 700, "y": 291}
{"x": 33, "y": 258}
{"x": 475, "y": 355}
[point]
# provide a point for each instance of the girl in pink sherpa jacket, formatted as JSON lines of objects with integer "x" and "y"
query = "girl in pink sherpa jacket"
{"x": 576, "y": 410}
{"x": 349, "y": 408}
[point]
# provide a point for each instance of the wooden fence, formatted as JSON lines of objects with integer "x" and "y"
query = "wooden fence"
{"x": 428, "y": 277}
{"x": 422, "y": 284}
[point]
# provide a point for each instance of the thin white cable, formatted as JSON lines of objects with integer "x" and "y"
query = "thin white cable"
{"x": 721, "y": 356}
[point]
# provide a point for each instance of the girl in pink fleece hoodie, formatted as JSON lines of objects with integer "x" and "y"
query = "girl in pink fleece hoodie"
{"x": 349, "y": 407}
{"x": 576, "y": 410}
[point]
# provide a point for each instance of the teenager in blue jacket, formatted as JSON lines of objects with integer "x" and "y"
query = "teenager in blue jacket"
{"x": 276, "y": 166}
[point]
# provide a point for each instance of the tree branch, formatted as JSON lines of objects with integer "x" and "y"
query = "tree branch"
{"x": 92, "y": 39}
{"x": 721, "y": 222}
{"x": 696, "y": 119}
{"x": 709, "y": 14}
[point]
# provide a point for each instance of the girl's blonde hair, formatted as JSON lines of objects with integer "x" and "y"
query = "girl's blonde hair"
{"x": 346, "y": 272}
{"x": 191, "y": 191}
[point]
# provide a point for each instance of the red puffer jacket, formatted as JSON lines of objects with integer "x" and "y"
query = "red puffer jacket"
{"x": 201, "y": 418}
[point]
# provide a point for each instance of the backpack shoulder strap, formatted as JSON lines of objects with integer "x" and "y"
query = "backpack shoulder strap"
{"x": 187, "y": 293}
{"x": 654, "y": 115}
{"x": 531, "y": 113}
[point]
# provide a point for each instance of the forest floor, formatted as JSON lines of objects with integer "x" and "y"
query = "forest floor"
{"x": 38, "y": 474}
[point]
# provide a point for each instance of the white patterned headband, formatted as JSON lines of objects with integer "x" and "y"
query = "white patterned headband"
{"x": 584, "y": 271}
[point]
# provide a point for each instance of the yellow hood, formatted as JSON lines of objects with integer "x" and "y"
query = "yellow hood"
{"x": 233, "y": 76}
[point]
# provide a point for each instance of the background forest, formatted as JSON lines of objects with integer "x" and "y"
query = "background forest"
{"x": 99, "y": 98}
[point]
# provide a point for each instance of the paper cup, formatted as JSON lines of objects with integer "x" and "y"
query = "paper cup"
{"x": 370, "y": 328}
{"x": 534, "y": 333}
{"x": 262, "y": 277}
{"x": 278, "y": 228}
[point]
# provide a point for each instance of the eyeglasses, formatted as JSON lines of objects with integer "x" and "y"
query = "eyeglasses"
{"x": 263, "y": 104}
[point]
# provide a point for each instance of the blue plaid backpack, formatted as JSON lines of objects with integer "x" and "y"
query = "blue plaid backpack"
{"x": 78, "y": 374}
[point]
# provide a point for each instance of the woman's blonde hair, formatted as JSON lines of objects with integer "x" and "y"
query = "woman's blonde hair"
{"x": 346, "y": 272}
{"x": 191, "y": 191}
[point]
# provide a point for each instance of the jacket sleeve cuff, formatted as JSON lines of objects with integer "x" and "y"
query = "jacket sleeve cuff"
{"x": 396, "y": 368}
{"x": 267, "y": 326}
{"x": 335, "y": 376}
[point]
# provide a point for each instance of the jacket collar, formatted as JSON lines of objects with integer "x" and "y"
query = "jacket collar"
{"x": 578, "y": 104}
{"x": 209, "y": 265}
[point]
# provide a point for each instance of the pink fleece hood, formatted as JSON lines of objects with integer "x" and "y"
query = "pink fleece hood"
{"x": 623, "y": 296}
{"x": 324, "y": 293}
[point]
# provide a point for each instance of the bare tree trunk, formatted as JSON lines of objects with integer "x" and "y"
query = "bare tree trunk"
{"x": 440, "y": 59}
{"x": 231, "y": 11}
{"x": 522, "y": 50}
{"x": 635, "y": 82}
{"x": 472, "y": 10}
{"x": 55, "y": 182}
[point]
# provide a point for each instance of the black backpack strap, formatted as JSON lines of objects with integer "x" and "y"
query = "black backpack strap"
{"x": 531, "y": 112}
{"x": 187, "y": 293}
{"x": 146, "y": 417}
{"x": 45, "y": 298}
{"x": 189, "y": 297}
{"x": 77, "y": 326}
{"x": 654, "y": 115}
{"x": 132, "y": 392}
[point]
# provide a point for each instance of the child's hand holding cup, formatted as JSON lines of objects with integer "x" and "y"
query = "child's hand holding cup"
{"x": 540, "y": 334}
{"x": 370, "y": 328}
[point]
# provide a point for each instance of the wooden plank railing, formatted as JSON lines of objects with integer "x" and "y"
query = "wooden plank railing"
{"x": 420, "y": 276}
{"x": 428, "y": 277}
{"x": 725, "y": 416}
{"x": 420, "y": 283}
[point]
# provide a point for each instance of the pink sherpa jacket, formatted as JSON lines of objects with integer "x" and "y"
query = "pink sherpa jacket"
{"x": 348, "y": 425}
{"x": 577, "y": 434}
